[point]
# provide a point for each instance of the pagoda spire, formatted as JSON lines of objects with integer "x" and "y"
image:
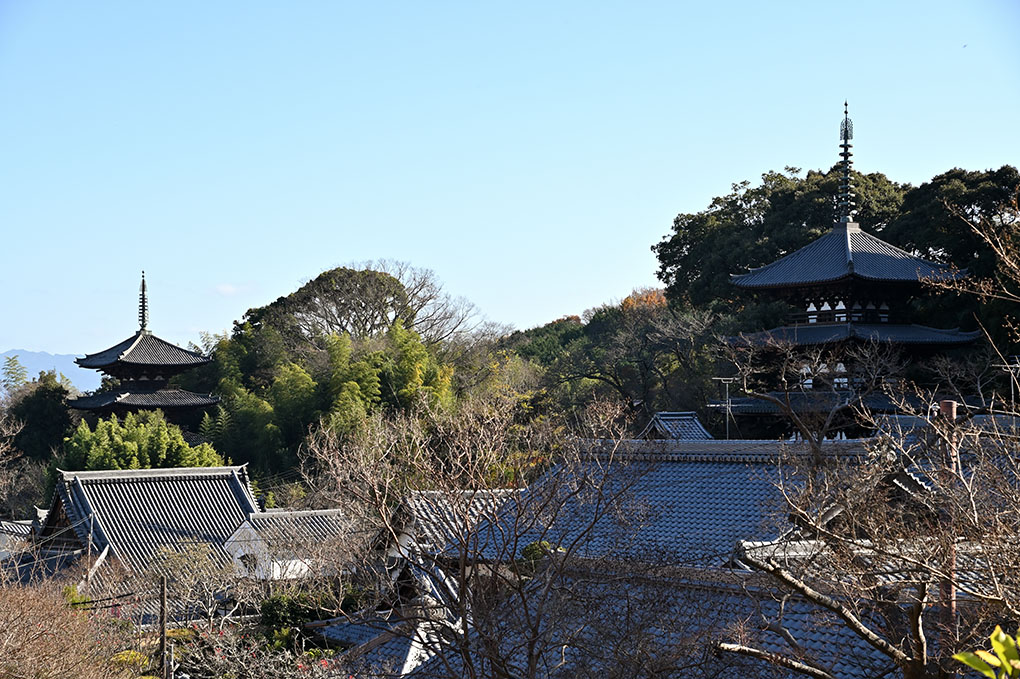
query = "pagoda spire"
{"x": 143, "y": 307}
{"x": 846, "y": 187}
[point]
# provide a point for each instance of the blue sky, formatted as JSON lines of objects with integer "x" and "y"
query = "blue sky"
{"x": 529, "y": 153}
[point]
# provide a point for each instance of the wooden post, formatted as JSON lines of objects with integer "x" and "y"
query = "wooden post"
{"x": 162, "y": 629}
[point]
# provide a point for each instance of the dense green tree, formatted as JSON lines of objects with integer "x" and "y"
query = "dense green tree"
{"x": 360, "y": 303}
{"x": 408, "y": 371}
{"x": 648, "y": 354}
{"x": 936, "y": 221}
{"x": 14, "y": 374}
{"x": 41, "y": 407}
{"x": 292, "y": 396}
{"x": 754, "y": 225}
{"x": 245, "y": 429}
{"x": 640, "y": 351}
{"x": 345, "y": 374}
{"x": 140, "y": 441}
{"x": 547, "y": 343}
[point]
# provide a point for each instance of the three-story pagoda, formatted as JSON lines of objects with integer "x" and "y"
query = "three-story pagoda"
{"x": 848, "y": 287}
{"x": 142, "y": 366}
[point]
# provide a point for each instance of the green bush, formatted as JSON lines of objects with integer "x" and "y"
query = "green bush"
{"x": 1006, "y": 659}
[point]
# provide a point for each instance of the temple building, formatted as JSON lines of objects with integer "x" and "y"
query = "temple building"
{"x": 847, "y": 288}
{"x": 141, "y": 367}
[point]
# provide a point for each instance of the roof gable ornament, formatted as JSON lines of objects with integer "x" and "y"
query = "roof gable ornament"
{"x": 846, "y": 189}
{"x": 143, "y": 307}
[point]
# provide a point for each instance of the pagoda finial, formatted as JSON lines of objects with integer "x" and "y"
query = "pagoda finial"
{"x": 143, "y": 307}
{"x": 846, "y": 187}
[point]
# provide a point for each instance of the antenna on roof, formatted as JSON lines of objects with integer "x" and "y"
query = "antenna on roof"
{"x": 143, "y": 307}
{"x": 846, "y": 188}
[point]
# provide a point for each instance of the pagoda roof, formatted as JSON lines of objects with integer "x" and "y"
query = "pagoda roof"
{"x": 143, "y": 349}
{"x": 809, "y": 401}
{"x": 132, "y": 396}
{"x": 828, "y": 333}
{"x": 844, "y": 252}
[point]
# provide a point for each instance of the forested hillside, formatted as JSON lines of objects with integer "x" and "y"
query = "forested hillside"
{"x": 355, "y": 342}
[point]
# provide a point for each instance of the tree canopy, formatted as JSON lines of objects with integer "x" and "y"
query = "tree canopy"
{"x": 754, "y": 225}
{"x": 140, "y": 441}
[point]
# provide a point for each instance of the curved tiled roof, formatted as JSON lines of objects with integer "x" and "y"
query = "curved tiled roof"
{"x": 146, "y": 399}
{"x": 687, "y": 503}
{"x": 137, "y": 512}
{"x": 812, "y": 401}
{"x": 286, "y": 526}
{"x": 441, "y": 516}
{"x": 826, "y": 333}
{"x": 143, "y": 349}
{"x": 675, "y": 425}
{"x": 844, "y": 252}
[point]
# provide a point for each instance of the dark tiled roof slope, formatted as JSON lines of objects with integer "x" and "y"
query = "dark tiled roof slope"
{"x": 288, "y": 526}
{"x": 845, "y": 251}
{"x": 143, "y": 349}
{"x": 686, "y": 504}
{"x": 816, "y": 401}
{"x": 607, "y": 628}
{"x": 676, "y": 425}
{"x": 137, "y": 512}
{"x": 160, "y": 398}
{"x": 826, "y": 333}
{"x": 439, "y": 517}
{"x": 361, "y": 630}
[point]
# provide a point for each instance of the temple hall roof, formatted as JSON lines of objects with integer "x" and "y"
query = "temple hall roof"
{"x": 844, "y": 252}
{"x": 675, "y": 425}
{"x": 143, "y": 349}
{"x": 138, "y": 512}
{"x": 130, "y": 397}
{"x": 826, "y": 333}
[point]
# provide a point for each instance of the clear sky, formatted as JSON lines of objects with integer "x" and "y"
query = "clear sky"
{"x": 530, "y": 153}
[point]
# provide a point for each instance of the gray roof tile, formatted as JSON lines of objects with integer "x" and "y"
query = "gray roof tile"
{"x": 439, "y": 517}
{"x": 666, "y": 623}
{"x": 844, "y": 252}
{"x": 693, "y": 501}
{"x": 137, "y": 512}
{"x": 675, "y": 425}
{"x": 126, "y": 396}
{"x": 143, "y": 349}
{"x": 825, "y": 333}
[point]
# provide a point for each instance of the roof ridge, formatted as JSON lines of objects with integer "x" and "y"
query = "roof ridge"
{"x": 175, "y": 346}
{"x": 287, "y": 513}
{"x": 167, "y": 472}
{"x": 138, "y": 338}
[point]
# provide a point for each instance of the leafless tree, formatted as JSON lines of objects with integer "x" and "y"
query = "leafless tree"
{"x": 42, "y": 637}
{"x": 245, "y": 653}
{"x": 492, "y": 515}
{"x": 820, "y": 389}
{"x": 910, "y": 546}
{"x": 434, "y": 314}
{"x": 9, "y": 455}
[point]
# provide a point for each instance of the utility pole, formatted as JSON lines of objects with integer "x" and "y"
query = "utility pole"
{"x": 729, "y": 409}
{"x": 163, "y": 659}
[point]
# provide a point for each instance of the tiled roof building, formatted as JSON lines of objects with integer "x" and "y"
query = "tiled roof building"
{"x": 849, "y": 289}
{"x": 850, "y": 285}
{"x": 132, "y": 514}
{"x": 142, "y": 364}
{"x": 675, "y": 425}
{"x": 648, "y": 589}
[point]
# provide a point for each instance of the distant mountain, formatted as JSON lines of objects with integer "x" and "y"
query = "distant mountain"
{"x": 39, "y": 361}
